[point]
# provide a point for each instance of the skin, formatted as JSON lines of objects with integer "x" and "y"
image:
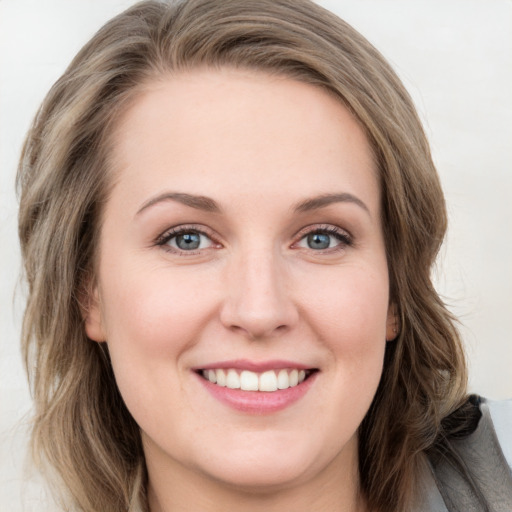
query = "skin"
{"x": 255, "y": 289}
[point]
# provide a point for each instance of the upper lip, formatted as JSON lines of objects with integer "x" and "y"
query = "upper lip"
{"x": 254, "y": 366}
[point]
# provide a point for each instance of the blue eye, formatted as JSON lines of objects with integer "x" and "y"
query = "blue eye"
{"x": 323, "y": 239}
{"x": 318, "y": 240}
{"x": 186, "y": 240}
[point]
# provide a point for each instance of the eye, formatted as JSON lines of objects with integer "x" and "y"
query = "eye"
{"x": 322, "y": 239}
{"x": 185, "y": 239}
{"x": 189, "y": 241}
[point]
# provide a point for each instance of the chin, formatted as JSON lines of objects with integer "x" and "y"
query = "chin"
{"x": 261, "y": 477}
{"x": 272, "y": 464}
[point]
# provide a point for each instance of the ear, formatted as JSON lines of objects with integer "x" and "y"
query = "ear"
{"x": 392, "y": 323}
{"x": 91, "y": 313}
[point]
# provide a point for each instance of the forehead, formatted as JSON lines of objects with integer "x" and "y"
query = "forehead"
{"x": 240, "y": 131}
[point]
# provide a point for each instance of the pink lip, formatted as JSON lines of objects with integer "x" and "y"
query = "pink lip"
{"x": 253, "y": 366}
{"x": 258, "y": 402}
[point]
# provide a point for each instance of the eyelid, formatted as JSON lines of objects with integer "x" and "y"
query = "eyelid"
{"x": 328, "y": 228}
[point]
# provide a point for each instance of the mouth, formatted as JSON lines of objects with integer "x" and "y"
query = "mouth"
{"x": 268, "y": 381}
{"x": 260, "y": 388}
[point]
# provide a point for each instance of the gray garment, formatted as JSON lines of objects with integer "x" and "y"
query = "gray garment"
{"x": 483, "y": 452}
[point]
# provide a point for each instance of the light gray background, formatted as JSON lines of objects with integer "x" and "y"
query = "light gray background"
{"x": 455, "y": 57}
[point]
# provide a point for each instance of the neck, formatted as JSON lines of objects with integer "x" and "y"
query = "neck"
{"x": 179, "y": 489}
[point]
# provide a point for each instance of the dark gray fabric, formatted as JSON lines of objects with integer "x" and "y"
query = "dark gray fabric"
{"x": 428, "y": 497}
{"x": 482, "y": 455}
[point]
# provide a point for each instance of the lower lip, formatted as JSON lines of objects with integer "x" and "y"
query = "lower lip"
{"x": 258, "y": 402}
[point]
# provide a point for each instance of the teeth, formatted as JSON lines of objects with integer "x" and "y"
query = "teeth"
{"x": 283, "y": 381}
{"x": 249, "y": 381}
{"x": 233, "y": 380}
{"x": 268, "y": 381}
{"x": 220, "y": 377}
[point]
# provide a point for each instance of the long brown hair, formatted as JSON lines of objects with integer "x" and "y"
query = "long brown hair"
{"x": 82, "y": 428}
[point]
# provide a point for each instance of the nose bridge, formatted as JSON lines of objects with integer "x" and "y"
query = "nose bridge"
{"x": 258, "y": 300}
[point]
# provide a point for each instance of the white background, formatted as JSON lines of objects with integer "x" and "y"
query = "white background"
{"x": 455, "y": 57}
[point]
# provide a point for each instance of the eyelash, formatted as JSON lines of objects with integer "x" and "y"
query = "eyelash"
{"x": 345, "y": 240}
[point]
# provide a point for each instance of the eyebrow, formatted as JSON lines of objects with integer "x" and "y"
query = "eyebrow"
{"x": 315, "y": 203}
{"x": 198, "y": 202}
{"x": 209, "y": 205}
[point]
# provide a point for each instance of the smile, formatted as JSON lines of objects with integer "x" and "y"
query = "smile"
{"x": 263, "y": 387}
{"x": 246, "y": 380}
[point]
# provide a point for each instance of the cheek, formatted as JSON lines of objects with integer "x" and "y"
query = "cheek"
{"x": 152, "y": 319}
{"x": 349, "y": 314}
{"x": 153, "y": 315}
{"x": 352, "y": 302}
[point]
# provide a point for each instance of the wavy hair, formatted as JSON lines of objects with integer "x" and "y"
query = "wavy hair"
{"x": 82, "y": 432}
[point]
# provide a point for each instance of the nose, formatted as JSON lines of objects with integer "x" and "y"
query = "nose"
{"x": 258, "y": 300}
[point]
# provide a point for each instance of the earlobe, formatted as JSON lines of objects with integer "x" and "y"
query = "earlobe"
{"x": 91, "y": 313}
{"x": 392, "y": 323}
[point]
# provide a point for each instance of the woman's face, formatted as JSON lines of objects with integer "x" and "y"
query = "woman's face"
{"x": 242, "y": 243}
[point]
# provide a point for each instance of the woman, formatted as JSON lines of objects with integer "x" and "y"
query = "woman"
{"x": 237, "y": 311}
